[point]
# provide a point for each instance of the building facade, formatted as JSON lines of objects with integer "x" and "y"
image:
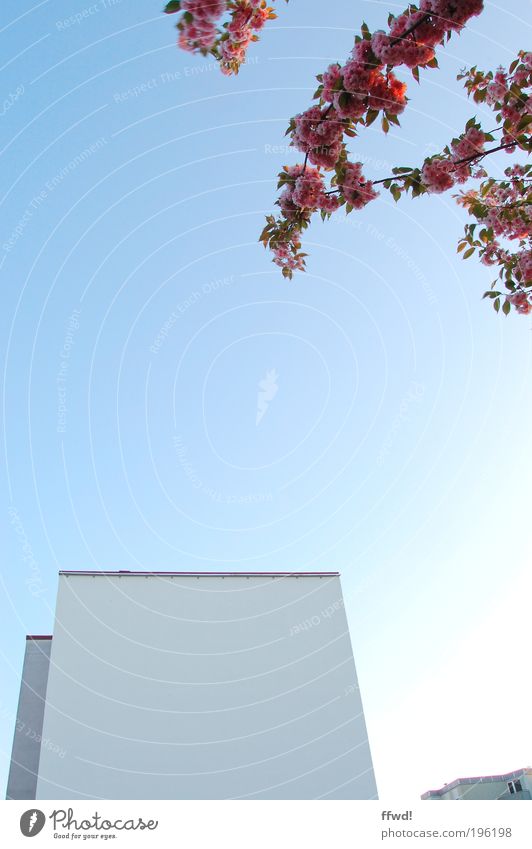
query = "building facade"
{"x": 193, "y": 686}
{"x": 28, "y": 740}
{"x": 512, "y": 785}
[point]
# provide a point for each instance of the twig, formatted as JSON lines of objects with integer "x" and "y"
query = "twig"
{"x": 410, "y": 30}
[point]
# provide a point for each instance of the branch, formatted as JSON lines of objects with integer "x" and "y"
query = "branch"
{"x": 485, "y": 153}
{"x": 411, "y": 29}
{"x": 457, "y": 162}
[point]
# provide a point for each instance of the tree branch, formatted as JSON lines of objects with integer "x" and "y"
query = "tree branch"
{"x": 478, "y": 156}
{"x": 483, "y": 154}
{"x": 410, "y": 30}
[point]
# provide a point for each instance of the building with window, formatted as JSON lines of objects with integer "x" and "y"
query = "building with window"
{"x": 193, "y": 685}
{"x": 513, "y": 785}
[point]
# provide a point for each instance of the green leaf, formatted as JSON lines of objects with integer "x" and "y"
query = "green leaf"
{"x": 172, "y": 6}
{"x": 343, "y": 99}
{"x": 468, "y": 253}
{"x": 415, "y": 73}
{"x": 497, "y": 304}
{"x": 364, "y": 29}
{"x": 524, "y": 122}
{"x": 506, "y": 307}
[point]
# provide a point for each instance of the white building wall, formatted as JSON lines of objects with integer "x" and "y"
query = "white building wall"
{"x": 187, "y": 687}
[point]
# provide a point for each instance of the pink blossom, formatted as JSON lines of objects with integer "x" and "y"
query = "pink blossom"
{"x": 437, "y": 175}
{"x": 356, "y": 190}
{"x": 394, "y": 50}
{"x": 453, "y": 13}
{"x": 521, "y": 302}
{"x": 200, "y": 31}
{"x": 388, "y": 94}
{"x": 332, "y": 82}
{"x": 363, "y": 53}
{"x": 497, "y": 89}
{"x": 357, "y": 77}
{"x": 525, "y": 266}
{"x": 329, "y": 203}
{"x": 350, "y": 106}
{"x": 318, "y": 133}
{"x": 308, "y": 189}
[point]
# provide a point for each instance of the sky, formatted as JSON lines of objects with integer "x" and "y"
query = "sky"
{"x": 169, "y": 402}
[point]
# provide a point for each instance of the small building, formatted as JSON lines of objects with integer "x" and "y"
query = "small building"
{"x": 192, "y": 685}
{"x": 512, "y": 785}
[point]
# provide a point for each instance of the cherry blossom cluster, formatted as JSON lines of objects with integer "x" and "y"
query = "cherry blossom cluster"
{"x": 502, "y": 210}
{"x": 201, "y": 30}
{"x": 508, "y": 94}
{"x": 352, "y": 95}
{"x": 413, "y": 35}
{"x": 304, "y": 193}
{"x": 457, "y": 164}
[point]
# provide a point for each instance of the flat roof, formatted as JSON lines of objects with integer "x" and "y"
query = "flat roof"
{"x": 203, "y": 574}
{"x": 479, "y": 779}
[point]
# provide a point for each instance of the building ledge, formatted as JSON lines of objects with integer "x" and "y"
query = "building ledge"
{"x": 128, "y": 572}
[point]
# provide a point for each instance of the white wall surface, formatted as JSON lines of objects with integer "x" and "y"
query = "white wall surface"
{"x": 203, "y": 688}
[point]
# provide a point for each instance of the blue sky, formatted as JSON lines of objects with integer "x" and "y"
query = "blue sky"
{"x": 140, "y": 315}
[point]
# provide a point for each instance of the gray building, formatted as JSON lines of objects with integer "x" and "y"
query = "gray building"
{"x": 512, "y": 785}
{"x": 193, "y": 686}
{"x": 27, "y": 741}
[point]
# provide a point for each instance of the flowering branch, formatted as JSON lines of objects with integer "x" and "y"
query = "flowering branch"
{"x": 353, "y": 95}
{"x": 348, "y": 97}
{"x": 200, "y": 30}
{"x": 502, "y": 209}
{"x": 475, "y": 157}
{"x": 410, "y": 29}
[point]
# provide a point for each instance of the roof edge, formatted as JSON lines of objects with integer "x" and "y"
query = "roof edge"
{"x": 478, "y": 779}
{"x": 201, "y": 574}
